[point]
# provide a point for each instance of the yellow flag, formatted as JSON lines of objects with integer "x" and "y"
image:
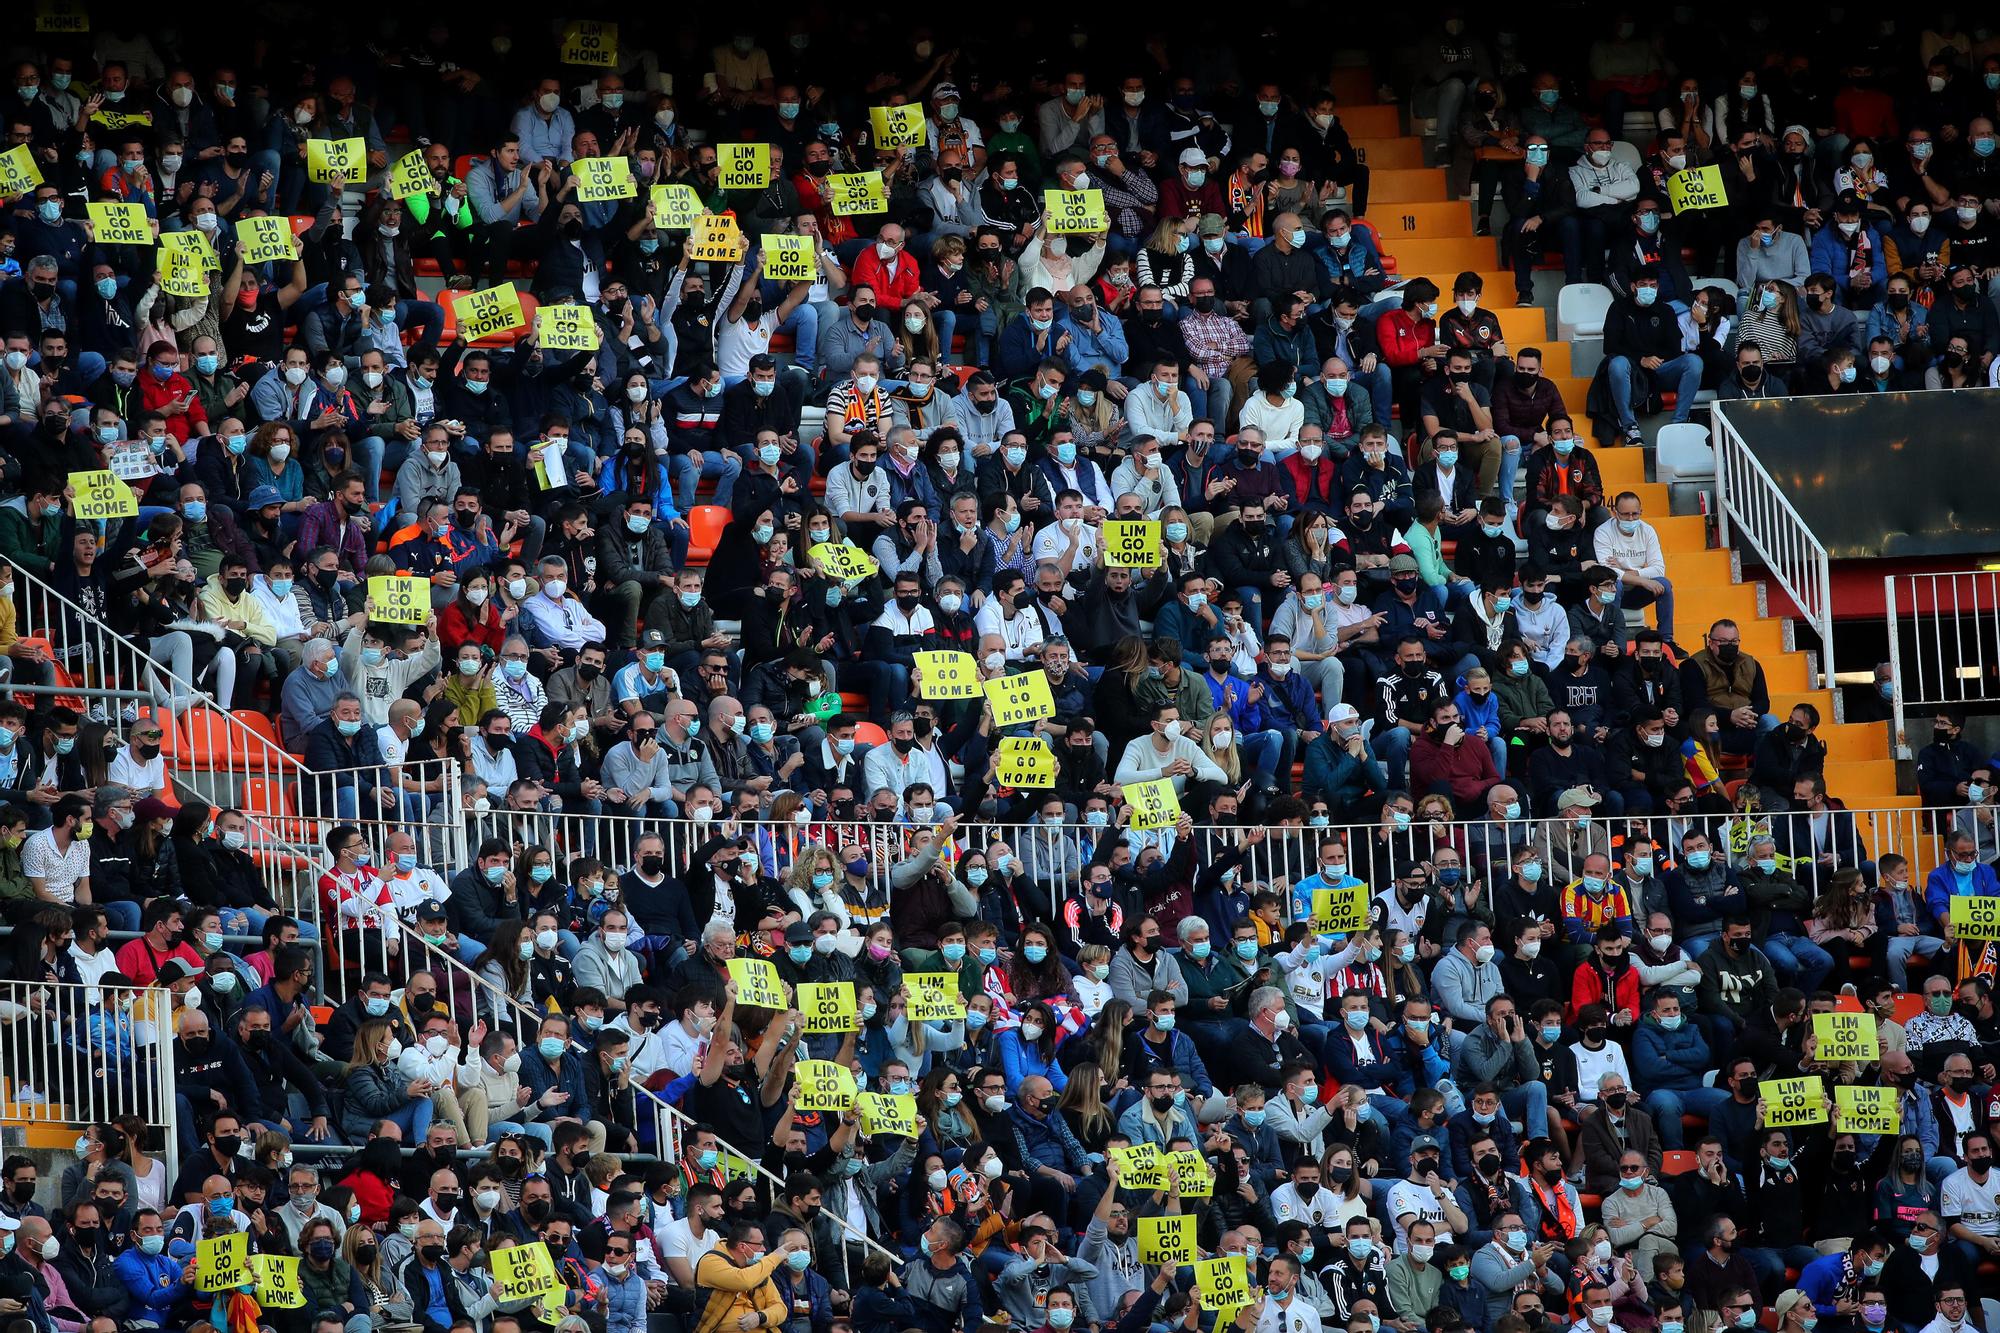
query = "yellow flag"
{"x": 599, "y": 179}
{"x": 743, "y": 166}
{"x": 565, "y": 328}
{"x": 399, "y": 599}
{"x": 349, "y": 157}
{"x": 1790, "y": 1102}
{"x": 897, "y": 126}
{"x": 758, "y": 985}
{"x": 829, "y": 1006}
{"x": 119, "y": 223}
{"x": 789, "y": 258}
{"x": 487, "y": 312}
{"x": 1074, "y": 212}
{"x": 853, "y": 193}
{"x": 1154, "y": 804}
{"x": 102, "y": 495}
{"x": 408, "y": 176}
{"x": 1019, "y": 699}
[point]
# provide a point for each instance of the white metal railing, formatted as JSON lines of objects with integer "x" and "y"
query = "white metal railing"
{"x": 1753, "y": 506}
{"x": 212, "y": 754}
{"x": 83, "y": 1055}
{"x": 470, "y": 997}
{"x": 1944, "y": 640}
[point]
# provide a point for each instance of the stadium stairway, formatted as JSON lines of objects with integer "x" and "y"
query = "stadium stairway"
{"x": 1427, "y": 231}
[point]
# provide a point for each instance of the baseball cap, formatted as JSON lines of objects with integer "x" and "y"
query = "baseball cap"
{"x": 1577, "y": 796}
{"x": 430, "y": 909}
{"x": 1425, "y": 1141}
{"x": 944, "y": 92}
{"x": 1193, "y": 157}
{"x": 1211, "y": 224}
{"x": 1343, "y": 713}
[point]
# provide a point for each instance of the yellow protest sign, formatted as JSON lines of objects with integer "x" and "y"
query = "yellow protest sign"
{"x": 934, "y": 997}
{"x": 1340, "y": 911}
{"x": 789, "y": 258}
{"x": 893, "y": 1114}
{"x": 278, "y": 1281}
{"x": 1695, "y": 189}
{"x": 399, "y": 599}
{"x": 102, "y": 495}
{"x": 1133, "y": 543}
{"x": 123, "y": 120}
{"x": 1140, "y": 1167}
{"x": 589, "y": 43}
{"x": 843, "y": 560}
{"x": 266, "y": 239}
{"x": 222, "y": 1263}
{"x": 490, "y": 311}
{"x": 1197, "y": 1177}
{"x": 758, "y": 985}
{"x": 61, "y": 16}
{"x": 1019, "y": 699}
{"x": 116, "y": 223}
{"x": 675, "y": 207}
{"x": 408, "y": 176}
{"x": 1975, "y": 918}
{"x": 1866, "y": 1111}
{"x": 1223, "y": 1283}
{"x": 743, "y": 166}
{"x": 1845, "y": 1037}
{"x": 1166, "y": 1241}
{"x": 565, "y": 328}
{"x": 602, "y": 178}
{"x": 735, "y": 1167}
{"x": 897, "y": 126}
{"x": 1074, "y": 212}
{"x": 1025, "y": 762}
{"x": 18, "y": 172}
{"x": 948, "y": 674}
{"x": 1789, "y": 1102}
{"x": 829, "y": 1006}
{"x": 715, "y": 240}
{"x": 181, "y": 276}
{"x": 824, "y": 1086}
{"x": 1154, "y": 804}
{"x": 523, "y": 1272}
{"x": 852, "y": 193}
{"x": 324, "y": 157}
{"x": 194, "y": 246}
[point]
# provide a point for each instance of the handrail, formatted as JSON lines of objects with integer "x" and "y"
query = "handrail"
{"x": 1750, "y": 499}
{"x": 670, "y": 1123}
{"x": 1958, "y": 612}
{"x": 99, "y": 656}
{"x": 51, "y": 1061}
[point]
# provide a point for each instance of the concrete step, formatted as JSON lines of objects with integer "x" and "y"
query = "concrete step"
{"x": 1856, "y": 741}
{"x": 1354, "y": 85}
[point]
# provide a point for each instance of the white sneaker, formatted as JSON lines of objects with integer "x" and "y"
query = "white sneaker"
{"x": 97, "y": 713}
{"x": 130, "y": 713}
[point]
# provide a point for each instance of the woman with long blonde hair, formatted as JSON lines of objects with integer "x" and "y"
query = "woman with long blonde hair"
{"x": 1218, "y": 742}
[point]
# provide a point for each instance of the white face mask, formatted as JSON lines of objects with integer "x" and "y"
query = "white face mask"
{"x": 280, "y": 452}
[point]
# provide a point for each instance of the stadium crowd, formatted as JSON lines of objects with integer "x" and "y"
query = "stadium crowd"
{"x": 1394, "y": 638}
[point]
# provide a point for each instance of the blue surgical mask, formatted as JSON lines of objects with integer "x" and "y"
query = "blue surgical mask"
{"x": 1199, "y": 950}
{"x": 1645, "y": 296}
{"x": 195, "y": 511}
{"x": 348, "y": 728}
{"x": 1246, "y": 949}
{"x": 800, "y": 954}
{"x": 1035, "y": 953}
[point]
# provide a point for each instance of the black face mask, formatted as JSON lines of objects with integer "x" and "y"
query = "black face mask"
{"x": 588, "y": 671}
{"x": 652, "y": 865}
{"x": 753, "y": 312}
{"x": 818, "y": 168}
{"x": 1489, "y": 1165}
{"x": 1727, "y": 652}
{"x": 432, "y": 1253}
{"x": 572, "y": 229}
{"x": 903, "y": 744}
{"x": 228, "y": 1145}
{"x": 1412, "y": 669}
{"x": 1405, "y": 583}
{"x": 950, "y": 173}
{"x": 864, "y": 314}
{"x": 1205, "y": 304}
{"x": 86, "y": 1237}
{"x": 1615, "y": 1100}
{"x": 536, "y": 1210}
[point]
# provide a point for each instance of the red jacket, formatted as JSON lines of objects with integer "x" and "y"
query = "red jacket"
{"x": 1466, "y": 768}
{"x": 374, "y": 1196}
{"x": 1314, "y": 484}
{"x": 1400, "y": 337}
{"x": 155, "y": 393}
{"x": 890, "y": 290}
{"x": 454, "y": 630}
{"x": 1587, "y": 987}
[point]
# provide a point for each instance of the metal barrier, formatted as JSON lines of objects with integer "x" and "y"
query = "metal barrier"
{"x": 1946, "y": 627}
{"x": 1752, "y": 504}
{"x": 84, "y": 1055}
{"x": 469, "y": 996}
